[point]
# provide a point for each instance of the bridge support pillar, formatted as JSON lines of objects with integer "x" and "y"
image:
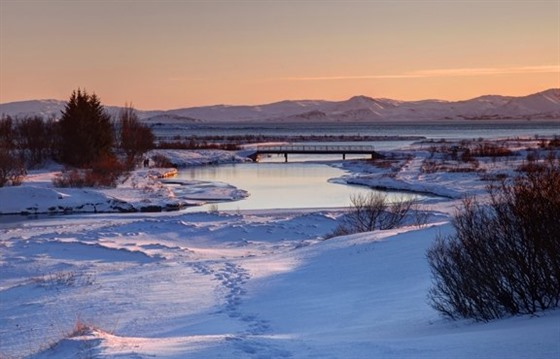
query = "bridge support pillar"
{"x": 285, "y": 157}
{"x": 343, "y": 156}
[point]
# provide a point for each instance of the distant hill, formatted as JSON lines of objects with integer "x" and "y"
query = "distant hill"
{"x": 541, "y": 105}
{"x": 45, "y": 108}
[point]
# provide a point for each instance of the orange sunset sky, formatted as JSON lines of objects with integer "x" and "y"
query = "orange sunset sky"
{"x": 170, "y": 54}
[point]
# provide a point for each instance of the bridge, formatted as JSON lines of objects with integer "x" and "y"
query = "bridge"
{"x": 314, "y": 149}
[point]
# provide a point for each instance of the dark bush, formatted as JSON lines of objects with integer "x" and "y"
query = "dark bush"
{"x": 70, "y": 178}
{"x": 104, "y": 172}
{"x": 504, "y": 258}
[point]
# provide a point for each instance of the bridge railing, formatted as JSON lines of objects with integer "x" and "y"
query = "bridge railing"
{"x": 311, "y": 148}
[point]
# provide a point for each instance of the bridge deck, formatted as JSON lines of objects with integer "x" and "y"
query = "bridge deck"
{"x": 336, "y": 149}
{"x": 314, "y": 149}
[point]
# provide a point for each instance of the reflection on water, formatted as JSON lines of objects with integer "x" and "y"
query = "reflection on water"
{"x": 281, "y": 185}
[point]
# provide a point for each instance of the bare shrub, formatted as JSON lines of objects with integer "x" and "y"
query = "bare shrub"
{"x": 80, "y": 328}
{"x": 161, "y": 161}
{"x": 504, "y": 258}
{"x": 467, "y": 156}
{"x": 395, "y": 213}
{"x": 420, "y": 215}
{"x": 491, "y": 150}
{"x": 429, "y": 166}
{"x": 104, "y": 172}
{"x": 70, "y": 178}
{"x": 535, "y": 163}
{"x": 12, "y": 170}
{"x": 554, "y": 143}
{"x": 372, "y": 211}
{"x": 531, "y": 167}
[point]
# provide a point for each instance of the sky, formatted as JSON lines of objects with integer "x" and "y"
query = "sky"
{"x": 171, "y": 54}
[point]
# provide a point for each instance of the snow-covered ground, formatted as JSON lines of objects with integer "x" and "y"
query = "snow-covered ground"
{"x": 249, "y": 284}
{"x": 143, "y": 190}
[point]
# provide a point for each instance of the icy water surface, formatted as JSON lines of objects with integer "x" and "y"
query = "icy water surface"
{"x": 274, "y": 184}
{"x": 282, "y": 185}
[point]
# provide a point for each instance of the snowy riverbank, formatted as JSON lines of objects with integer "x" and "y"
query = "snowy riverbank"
{"x": 144, "y": 190}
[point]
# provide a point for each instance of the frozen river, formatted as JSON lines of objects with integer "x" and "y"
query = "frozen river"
{"x": 281, "y": 185}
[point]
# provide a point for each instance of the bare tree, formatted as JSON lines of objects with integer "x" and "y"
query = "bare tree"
{"x": 7, "y": 133}
{"x": 34, "y": 139}
{"x": 135, "y": 137}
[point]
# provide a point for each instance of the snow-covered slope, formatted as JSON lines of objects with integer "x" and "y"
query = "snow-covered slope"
{"x": 543, "y": 102}
{"x": 43, "y": 108}
{"x": 245, "y": 286}
{"x": 542, "y": 105}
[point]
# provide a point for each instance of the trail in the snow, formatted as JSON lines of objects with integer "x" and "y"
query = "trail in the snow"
{"x": 232, "y": 278}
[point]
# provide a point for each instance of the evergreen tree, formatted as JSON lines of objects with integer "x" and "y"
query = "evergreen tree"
{"x": 86, "y": 132}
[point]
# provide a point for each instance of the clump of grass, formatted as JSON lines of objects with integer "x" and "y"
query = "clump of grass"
{"x": 80, "y": 328}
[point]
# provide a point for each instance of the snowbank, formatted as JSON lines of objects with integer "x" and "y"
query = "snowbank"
{"x": 144, "y": 190}
{"x": 34, "y": 200}
{"x": 205, "y": 285}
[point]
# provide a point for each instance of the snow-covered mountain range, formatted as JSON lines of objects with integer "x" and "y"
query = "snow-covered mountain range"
{"x": 541, "y": 105}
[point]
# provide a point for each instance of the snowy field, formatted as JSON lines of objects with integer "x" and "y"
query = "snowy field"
{"x": 249, "y": 284}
